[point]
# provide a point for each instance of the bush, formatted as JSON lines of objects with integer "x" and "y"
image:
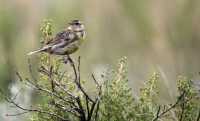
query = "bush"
{"x": 63, "y": 96}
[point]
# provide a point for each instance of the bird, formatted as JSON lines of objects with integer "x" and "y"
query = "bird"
{"x": 66, "y": 41}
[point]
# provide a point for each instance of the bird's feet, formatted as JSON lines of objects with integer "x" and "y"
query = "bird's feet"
{"x": 66, "y": 59}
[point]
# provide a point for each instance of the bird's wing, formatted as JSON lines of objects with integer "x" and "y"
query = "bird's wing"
{"x": 66, "y": 36}
{"x": 61, "y": 39}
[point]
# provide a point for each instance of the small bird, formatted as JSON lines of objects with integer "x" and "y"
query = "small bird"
{"x": 65, "y": 42}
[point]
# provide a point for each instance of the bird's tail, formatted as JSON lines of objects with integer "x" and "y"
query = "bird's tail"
{"x": 37, "y": 51}
{"x": 34, "y": 52}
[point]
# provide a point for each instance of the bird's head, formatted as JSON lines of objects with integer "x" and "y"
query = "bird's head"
{"x": 78, "y": 28}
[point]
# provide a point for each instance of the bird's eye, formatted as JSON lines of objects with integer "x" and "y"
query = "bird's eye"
{"x": 77, "y": 23}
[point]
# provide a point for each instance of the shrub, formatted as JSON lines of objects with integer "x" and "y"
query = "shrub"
{"x": 63, "y": 96}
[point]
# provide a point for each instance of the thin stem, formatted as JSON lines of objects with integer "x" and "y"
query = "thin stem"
{"x": 198, "y": 117}
{"x": 170, "y": 108}
{"x": 33, "y": 110}
{"x": 77, "y": 77}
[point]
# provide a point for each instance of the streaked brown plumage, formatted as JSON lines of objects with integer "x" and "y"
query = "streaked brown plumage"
{"x": 65, "y": 42}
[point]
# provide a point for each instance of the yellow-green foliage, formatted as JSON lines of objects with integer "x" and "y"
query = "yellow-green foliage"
{"x": 189, "y": 107}
{"x": 117, "y": 102}
{"x": 50, "y": 69}
{"x": 150, "y": 90}
{"x": 46, "y": 30}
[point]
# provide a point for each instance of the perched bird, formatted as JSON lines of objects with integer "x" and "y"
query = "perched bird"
{"x": 65, "y": 42}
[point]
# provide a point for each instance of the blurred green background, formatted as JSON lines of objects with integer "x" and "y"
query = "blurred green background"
{"x": 155, "y": 35}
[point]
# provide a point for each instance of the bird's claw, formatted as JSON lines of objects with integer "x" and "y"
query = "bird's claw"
{"x": 64, "y": 60}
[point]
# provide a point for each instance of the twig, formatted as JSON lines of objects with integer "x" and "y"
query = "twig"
{"x": 17, "y": 114}
{"x": 87, "y": 106}
{"x": 198, "y": 117}
{"x": 31, "y": 70}
{"x": 81, "y": 111}
{"x": 170, "y": 108}
{"x": 97, "y": 110}
{"x": 51, "y": 78}
{"x": 48, "y": 91}
{"x": 92, "y": 110}
{"x": 182, "y": 110}
{"x": 96, "y": 82}
{"x": 158, "y": 112}
{"x": 63, "y": 99}
{"x": 19, "y": 76}
{"x": 32, "y": 110}
{"x": 98, "y": 98}
{"x": 66, "y": 91}
{"x": 57, "y": 83}
{"x": 79, "y": 72}
{"x": 77, "y": 78}
{"x": 62, "y": 76}
{"x": 62, "y": 107}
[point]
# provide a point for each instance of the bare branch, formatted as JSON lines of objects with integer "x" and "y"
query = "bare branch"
{"x": 87, "y": 106}
{"x": 56, "y": 83}
{"x": 65, "y": 109}
{"x": 158, "y": 112}
{"x": 198, "y": 117}
{"x": 79, "y": 72}
{"x": 31, "y": 110}
{"x": 62, "y": 76}
{"x": 96, "y": 82}
{"x": 17, "y": 114}
{"x": 66, "y": 91}
{"x": 92, "y": 110}
{"x": 63, "y": 99}
{"x": 77, "y": 77}
{"x": 98, "y": 98}
{"x": 81, "y": 110}
{"x": 170, "y": 108}
{"x": 97, "y": 110}
{"x": 19, "y": 76}
{"x": 48, "y": 91}
{"x": 182, "y": 109}
{"x": 31, "y": 70}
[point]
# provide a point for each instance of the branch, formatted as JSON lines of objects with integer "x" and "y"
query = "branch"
{"x": 182, "y": 110}
{"x": 48, "y": 91}
{"x": 81, "y": 111}
{"x": 98, "y": 97}
{"x": 170, "y": 108}
{"x": 66, "y": 91}
{"x": 56, "y": 83}
{"x": 97, "y": 110}
{"x": 96, "y": 82}
{"x": 31, "y": 70}
{"x": 157, "y": 114}
{"x": 87, "y": 106}
{"x": 62, "y": 107}
{"x": 31, "y": 110}
{"x": 17, "y": 114}
{"x": 77, "y": 77}
{"x": 198, "y": 117}
{"x": 92, "y": 110}
{"x": 64, "y": 100}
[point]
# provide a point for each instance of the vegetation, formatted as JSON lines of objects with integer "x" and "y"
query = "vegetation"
{"x": 64, "y": 96}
